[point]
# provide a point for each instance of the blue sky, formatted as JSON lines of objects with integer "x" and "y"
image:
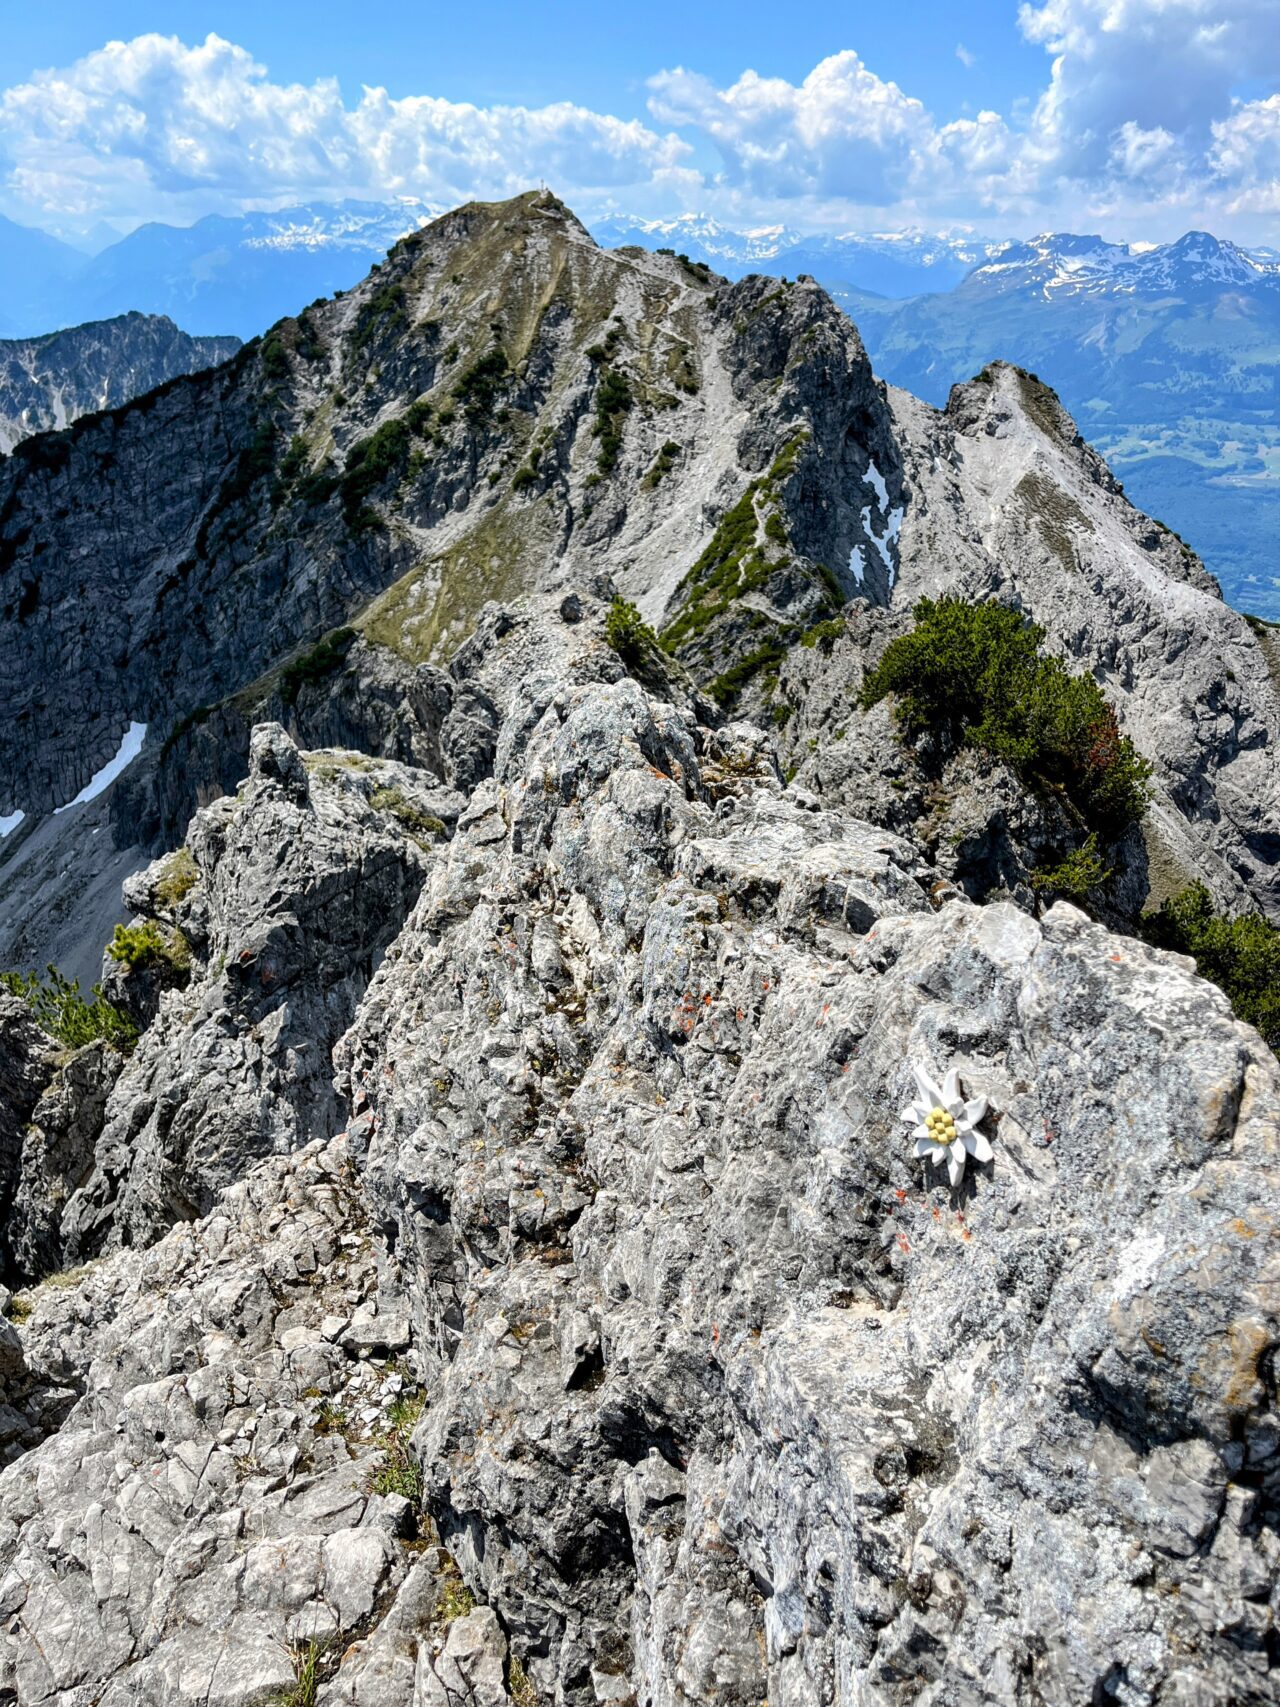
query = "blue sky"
{"x": 587, "y": 53}
{"x": 1138, "y": 118}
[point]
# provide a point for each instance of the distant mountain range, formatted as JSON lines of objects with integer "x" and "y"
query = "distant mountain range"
{"x": 51, "y": 381}
{"x": 893, "y": 264}
{"x": 1167, "y": 358}
{"x": 218, "y": 276}
{"x": 1167, "y": 355}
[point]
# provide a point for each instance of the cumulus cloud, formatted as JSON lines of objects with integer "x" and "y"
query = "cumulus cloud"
{"x": 154, "y": 126}
{"x": 1139, "y": 126}
{"x": 1246, "y": 152}
{"x": 842, "y": 131}
{"x": 1142, "y": 67}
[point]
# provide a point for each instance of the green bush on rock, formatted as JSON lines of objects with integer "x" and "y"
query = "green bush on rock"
{"x": 60, "y": 1009}
{"x": 1241, "y": 956}
{"x": 974, "y": 675}
{"x": 628, "y": 633}
{"x": 144, "y": 945}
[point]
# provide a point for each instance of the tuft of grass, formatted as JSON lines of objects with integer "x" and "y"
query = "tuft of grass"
{"x": 823, "y": 634}
{"x": 453, "y": 1598}
{"x": 306, "y": 1670}
{"x": 400, "y": 1472}
{"x": 520, "y": 1685}
{"x": 178, "y": 878}
{"x": 145, "y": 945}
{"x": 420, "y": 823}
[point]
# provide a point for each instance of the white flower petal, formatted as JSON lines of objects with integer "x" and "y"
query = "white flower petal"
{"x": 951, "y": 1089}
{"x": 928, "y": 1090}
{"x": 922, "y": 1131}
{"x": 978, "y": 1147}
{"x": 974, "y": 1110}
{"x": 925, "y": 1147}
{"x": 954, "y": 1168}
{"x": 913, "y": 1113}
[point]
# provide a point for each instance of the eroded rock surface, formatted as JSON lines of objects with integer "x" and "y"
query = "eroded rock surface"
{"x": 509, "y": 1275}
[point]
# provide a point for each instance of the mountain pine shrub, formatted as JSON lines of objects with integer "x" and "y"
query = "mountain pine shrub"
{"x": 60, "y": 1009}
{"x": 1241, "y": 956}
{"x": 974, "y": 675}
{"x": 628, "y": 633}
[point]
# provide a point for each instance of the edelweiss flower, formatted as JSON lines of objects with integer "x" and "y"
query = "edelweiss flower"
{"x": 944, "y": 1125}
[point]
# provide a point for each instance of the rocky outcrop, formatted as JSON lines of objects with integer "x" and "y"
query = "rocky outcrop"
{"x": 283, "y": 902}
{"x": 723, "y": 1395}
{"x": 48, "y": 382}
{"x": 221, "y": 1505}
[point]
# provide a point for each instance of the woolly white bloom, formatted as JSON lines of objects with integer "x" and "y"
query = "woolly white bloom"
{"x": 944, "y": 1125}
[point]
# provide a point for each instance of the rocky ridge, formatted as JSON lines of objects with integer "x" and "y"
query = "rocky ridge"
{"x": 716, "y": 1393}
{"x": 504, "y": 408}
{"x": 50, "y": 381}
{"x": 501, "y": 1273}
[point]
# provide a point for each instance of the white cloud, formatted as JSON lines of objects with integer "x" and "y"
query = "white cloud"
{"x": 967, "y": 59}
{"x": 843, "y": 131}
{"x": 154, "y": 128}
{"x": 1137, "y": 128}
{"x": 1246, "y": 152}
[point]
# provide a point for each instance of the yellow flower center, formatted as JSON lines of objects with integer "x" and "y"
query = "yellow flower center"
{"x": 941, "y": 1127}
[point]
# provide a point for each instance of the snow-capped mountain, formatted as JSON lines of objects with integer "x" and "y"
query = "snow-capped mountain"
{"x": 1058, "y": 263}
{"x": 697, "y": 235}
{"x": 891, "y": 263}
{"x": 1165, "y": 355}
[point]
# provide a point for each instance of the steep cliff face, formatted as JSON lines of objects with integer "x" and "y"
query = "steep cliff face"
{"x": 48, "y": 382}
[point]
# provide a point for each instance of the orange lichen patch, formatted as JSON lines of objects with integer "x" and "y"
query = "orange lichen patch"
{"x": 1243, "y": 1230}
{"x": 1247, "y": 1341}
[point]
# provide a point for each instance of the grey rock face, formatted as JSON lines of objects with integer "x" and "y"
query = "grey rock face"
{"x": 48, "y": 382}
{"x": 208, "y": 1510}
{"x": 26, "y": 1066}
{"x": 725, "y": 1396}
{"x": 641, "y": 1153}
{"x": 302, "y": 879}
{"x": 57, "y": 1155}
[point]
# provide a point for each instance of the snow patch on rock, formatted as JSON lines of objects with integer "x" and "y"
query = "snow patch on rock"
{"x": 128, "y": 750}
